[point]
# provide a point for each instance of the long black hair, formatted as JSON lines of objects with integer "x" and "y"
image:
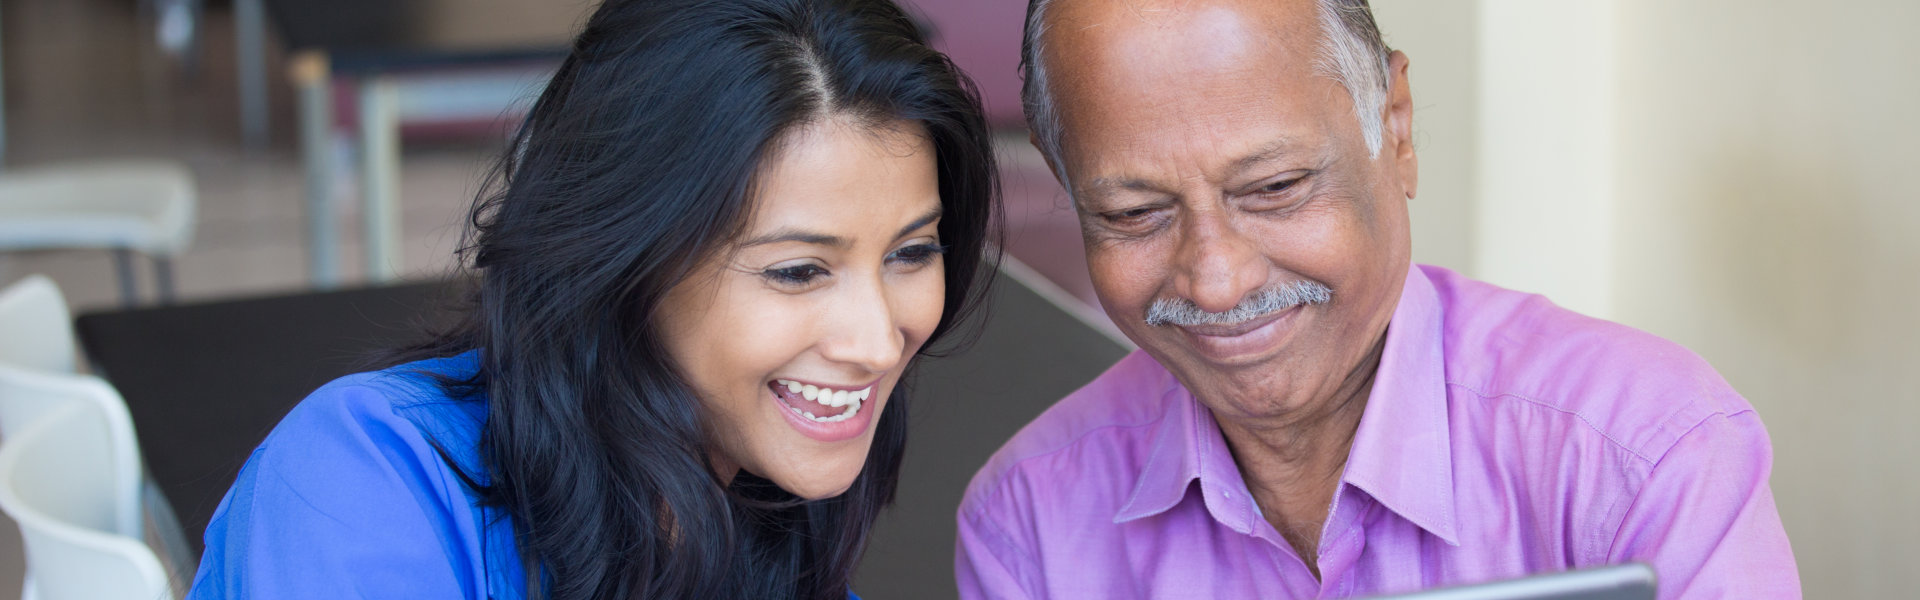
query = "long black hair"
{"x": 637, "y": 161}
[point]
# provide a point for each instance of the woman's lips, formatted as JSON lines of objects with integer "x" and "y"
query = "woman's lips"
{"x": 830, "y": 415}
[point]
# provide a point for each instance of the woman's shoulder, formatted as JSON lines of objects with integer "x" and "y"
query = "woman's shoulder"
{"x": 354, "y": 486}
{"x": 404, "y": 407}
{"x": 398, "y": 425}
{"x": 409, "y": 404}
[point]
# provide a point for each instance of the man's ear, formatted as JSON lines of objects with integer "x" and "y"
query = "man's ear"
{"x": 1399, "y": 125}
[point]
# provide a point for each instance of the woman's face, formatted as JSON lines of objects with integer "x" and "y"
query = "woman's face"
{"x": 794, "y": 336}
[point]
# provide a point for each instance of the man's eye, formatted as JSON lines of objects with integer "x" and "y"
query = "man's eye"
{"x": 795, "y": 275}
{"x": 1131, "y": 215}
{"x": 1279, "y": 186}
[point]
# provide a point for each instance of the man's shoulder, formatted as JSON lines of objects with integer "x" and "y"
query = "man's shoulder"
{"x": 1512, "y": 349}
{"x": 1104, "y": 426}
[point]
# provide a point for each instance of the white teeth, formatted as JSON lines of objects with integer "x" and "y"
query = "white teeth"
{"x": 827, "y": 397}
{"x": 852, "y": 400}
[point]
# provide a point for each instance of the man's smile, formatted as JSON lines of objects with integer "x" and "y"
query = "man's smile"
{"x": 1243, "y": 341}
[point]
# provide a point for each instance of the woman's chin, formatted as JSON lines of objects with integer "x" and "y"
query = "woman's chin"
{"x": 818, "y": 485}
{"x": 822, "y": 494}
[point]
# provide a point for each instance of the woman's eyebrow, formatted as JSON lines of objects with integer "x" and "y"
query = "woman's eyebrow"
{"x": 834, "y": 241}
{"x": 796, "y": 235}
{"x": 931, "y": 216}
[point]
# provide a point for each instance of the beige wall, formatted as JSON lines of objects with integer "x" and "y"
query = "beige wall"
{"x": 1440, "y": 38}
{"x": 1768, "y": 220}
{"x": 1758, "y": 209}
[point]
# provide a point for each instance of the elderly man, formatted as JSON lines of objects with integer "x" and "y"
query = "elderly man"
{"x": 1310, "y": 415}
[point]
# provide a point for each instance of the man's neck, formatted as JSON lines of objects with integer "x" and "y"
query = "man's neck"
{"x": 1292, "y": 464}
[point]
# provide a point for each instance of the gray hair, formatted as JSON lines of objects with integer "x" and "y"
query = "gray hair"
{"x": 1351, "y": 52}
{"x": 1272, "y": 299}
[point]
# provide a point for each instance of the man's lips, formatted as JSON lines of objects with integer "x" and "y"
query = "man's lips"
{"x": 1239, "y": 342}
{"x": 1236, "y": 329}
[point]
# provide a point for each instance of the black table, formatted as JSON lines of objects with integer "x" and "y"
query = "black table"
{"x": 205, "y": 383}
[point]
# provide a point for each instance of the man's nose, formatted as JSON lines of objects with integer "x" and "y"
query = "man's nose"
{"x": 1216, "y": 264}
{"x": 862, "y": 331}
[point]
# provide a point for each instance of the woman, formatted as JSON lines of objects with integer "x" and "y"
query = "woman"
{"x": 722, "y": 234}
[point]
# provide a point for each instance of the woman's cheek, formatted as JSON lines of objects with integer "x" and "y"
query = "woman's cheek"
{"x": 926, "y": 305}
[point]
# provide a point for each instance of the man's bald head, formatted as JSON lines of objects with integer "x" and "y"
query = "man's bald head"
{"x": 1351, "y": 52}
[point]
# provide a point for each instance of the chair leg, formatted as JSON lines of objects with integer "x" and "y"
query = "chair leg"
{"x": 163, "y": 277}
{"x": 162, "y": 523}
{"x": 123, "y": 263}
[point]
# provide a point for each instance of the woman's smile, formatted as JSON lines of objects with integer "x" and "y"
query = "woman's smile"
{"x": 825, "y": 413}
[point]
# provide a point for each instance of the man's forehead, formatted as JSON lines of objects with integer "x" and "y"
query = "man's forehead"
{"x": 1200, "y": 56}
{"x": 1203, "y": 87}
{"x": 1227, "y": 21}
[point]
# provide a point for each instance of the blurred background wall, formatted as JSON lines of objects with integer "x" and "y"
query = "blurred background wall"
{"x": 1746, "y": 192}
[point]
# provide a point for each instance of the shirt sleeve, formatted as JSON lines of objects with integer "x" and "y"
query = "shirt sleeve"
{"x": 1705, "y": 517}
{"x": 345, "y": 499}
{"x": 987, "y": 565}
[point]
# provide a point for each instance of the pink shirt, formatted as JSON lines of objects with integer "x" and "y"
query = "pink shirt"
{"x": 1504, "y": 436}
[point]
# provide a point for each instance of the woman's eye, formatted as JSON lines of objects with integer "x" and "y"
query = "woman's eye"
{"x": 918, "y": 254}
{"x": 795, "y": 275}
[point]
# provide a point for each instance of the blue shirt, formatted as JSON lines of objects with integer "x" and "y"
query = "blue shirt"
{"x": 347, "y": 498}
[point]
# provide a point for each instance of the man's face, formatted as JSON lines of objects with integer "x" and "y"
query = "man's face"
{"x": 1210, "y": 162}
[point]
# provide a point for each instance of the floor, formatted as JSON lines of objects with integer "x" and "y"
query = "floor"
{"x": 85, "y": 80}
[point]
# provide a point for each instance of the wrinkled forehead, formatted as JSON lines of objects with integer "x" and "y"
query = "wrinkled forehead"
{"x": 1143, "y": 42}
{"x": 1211, "y": 77}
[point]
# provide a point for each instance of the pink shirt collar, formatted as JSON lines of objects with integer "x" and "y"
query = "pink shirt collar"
{"x": 1401, "y": 456}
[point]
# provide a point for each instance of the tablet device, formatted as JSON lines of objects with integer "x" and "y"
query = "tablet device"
{"x": 1619, "y": 582}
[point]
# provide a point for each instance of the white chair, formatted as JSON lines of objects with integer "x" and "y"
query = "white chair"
{"x": 37, "y": 377}
{"x": 37, "y": 355}
{"x": 124, "y": 206}
{"x": 59, "y": 479}
{"x": 33, "y": 330}
{"x": 36, "y": 331}
{"x": 28, "y": 397}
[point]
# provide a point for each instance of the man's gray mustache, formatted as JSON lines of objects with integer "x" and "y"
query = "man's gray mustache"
{"x": 1183, "y": 312}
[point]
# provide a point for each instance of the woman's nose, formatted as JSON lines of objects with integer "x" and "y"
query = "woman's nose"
{"x": 862, "y": 331}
